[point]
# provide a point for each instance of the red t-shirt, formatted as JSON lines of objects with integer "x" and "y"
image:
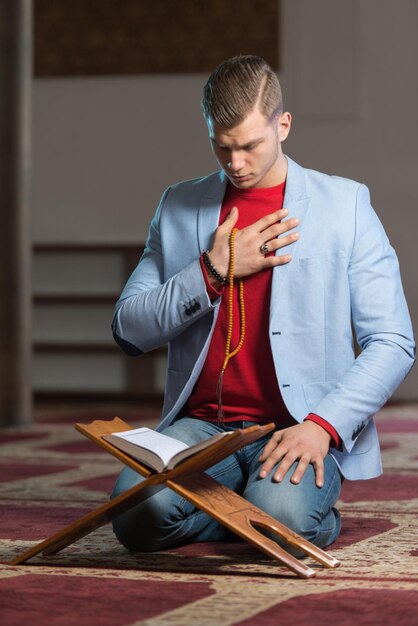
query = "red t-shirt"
{"x": 250, "y": 390}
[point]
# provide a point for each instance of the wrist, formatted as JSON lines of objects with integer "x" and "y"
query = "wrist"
{"x": 215, "y": 271}
{"x": 334, "y": 439}
{"x": 213, "y": 288}
{"x": 215, "y": 283}
{"x": 319, "y": 429}
{"x": 220, "y": 260}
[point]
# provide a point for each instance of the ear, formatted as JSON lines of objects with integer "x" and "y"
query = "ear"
{"x": 284, "y": 123}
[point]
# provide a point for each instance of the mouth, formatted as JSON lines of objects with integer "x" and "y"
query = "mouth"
{"x": 241, "y": 179}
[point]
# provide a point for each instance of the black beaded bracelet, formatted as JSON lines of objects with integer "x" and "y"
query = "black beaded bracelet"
{"x": 212, "y": 269}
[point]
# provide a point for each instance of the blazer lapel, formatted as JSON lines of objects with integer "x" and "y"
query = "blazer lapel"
{"x": 209, "y": 211}
{"x": 296, "y": 201}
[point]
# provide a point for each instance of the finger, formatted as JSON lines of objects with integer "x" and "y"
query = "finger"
{"x": 271, "y": 246}
{"x": 268, "y": 220}
{"x": 275, "y": 457}
{"x": 275, "y": 230}
{"x": 285, "y": 465}
{"x": 281, "y": 242}
{"x": 319, "y": 472}
{"x": 300, "y": 470}
{"x": 274, "y": 261}
{"x": 270, "y": 446}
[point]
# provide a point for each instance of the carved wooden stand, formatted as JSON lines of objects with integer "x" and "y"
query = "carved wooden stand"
{"x": 189, "y": 480}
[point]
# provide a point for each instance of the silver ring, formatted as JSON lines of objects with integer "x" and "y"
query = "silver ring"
{"x": 264, "y": 248}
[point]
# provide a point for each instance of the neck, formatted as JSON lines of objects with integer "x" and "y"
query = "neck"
{"x": 278, "y": 172}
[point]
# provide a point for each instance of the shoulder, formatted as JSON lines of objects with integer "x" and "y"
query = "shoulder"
{"x": 329, "y": 190}
{"x": 330, "y": 183}
{"x": 196, "y": 186}
{"x": 183, "y": 199}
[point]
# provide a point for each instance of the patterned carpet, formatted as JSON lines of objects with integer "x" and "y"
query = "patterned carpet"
{"x": 51, "y": 476}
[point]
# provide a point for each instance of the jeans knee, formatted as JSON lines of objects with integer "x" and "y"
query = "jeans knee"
{"x": 146, "y": 526}
{"x": 299, "y": 519}
{"x": 132, "y": 528}
{"x": 298, "y": 515}
{"x": 150, "y": 524}
{"x": 136, "y": 529}
{"x": 321, "y": 530}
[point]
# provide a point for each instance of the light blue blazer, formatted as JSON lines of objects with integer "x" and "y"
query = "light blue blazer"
{"x": 343, "y": 277}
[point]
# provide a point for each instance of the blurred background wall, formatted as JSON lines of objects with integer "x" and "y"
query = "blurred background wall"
{"x": 105, "y": 148}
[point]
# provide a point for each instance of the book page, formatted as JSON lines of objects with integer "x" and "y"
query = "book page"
{"x": 196, "y": 447}
{"x": 162, "y": 445}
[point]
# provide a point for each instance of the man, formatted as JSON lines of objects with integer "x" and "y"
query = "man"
{"x": 315, "y": 263}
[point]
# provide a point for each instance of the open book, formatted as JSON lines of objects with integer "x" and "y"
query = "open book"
{"x": 157, "y": 451}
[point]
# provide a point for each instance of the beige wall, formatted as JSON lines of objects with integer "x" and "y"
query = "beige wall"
{"x": 105, "y": 148}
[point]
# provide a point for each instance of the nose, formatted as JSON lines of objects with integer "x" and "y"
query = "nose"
{"x": 236, "y": 162}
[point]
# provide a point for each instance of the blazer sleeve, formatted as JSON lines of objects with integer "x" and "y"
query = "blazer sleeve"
{"x": 382, "y": 327}
{"x": 153, "y": 310}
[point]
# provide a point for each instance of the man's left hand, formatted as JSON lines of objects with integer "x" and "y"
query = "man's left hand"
{"x": 307, "y": 443}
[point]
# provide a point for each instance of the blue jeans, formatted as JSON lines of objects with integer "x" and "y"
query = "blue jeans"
{"x": 166, "y": 519}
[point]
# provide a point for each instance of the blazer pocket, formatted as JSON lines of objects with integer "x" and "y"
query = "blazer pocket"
{"x": 315, "y": 392}
{"x": 323, "y": 257}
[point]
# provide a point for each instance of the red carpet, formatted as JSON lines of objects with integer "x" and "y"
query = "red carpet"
{"x": 51, "y": 476}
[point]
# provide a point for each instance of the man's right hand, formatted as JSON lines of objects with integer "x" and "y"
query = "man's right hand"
{"x": 248, "y": 257}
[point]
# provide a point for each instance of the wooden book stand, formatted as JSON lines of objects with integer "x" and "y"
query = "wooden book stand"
{"x": 189, "y": 480}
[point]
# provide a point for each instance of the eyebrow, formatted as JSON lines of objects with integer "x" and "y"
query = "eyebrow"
{"x": 250, "y": 144}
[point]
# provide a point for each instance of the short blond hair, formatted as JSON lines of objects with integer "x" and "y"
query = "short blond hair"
{"x": 236, "y": 86}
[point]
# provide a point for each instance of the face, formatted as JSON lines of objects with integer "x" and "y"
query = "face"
{"x": 250, "y": 154}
